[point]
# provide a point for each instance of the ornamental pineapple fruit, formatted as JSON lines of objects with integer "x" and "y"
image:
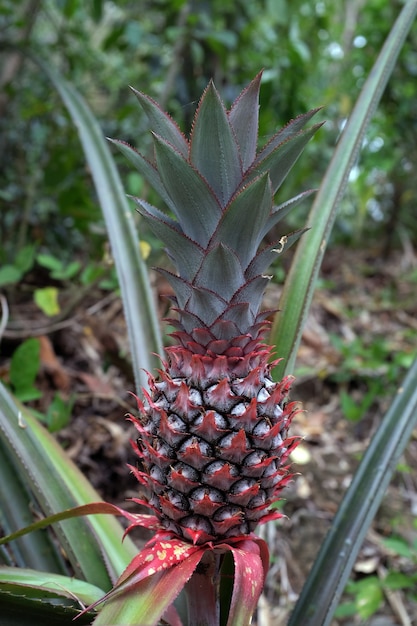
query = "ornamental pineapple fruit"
{"x": 213, "y": 441}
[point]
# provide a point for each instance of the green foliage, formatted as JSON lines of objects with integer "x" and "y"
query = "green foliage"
{"x": 24, "y": 368}
{"x": 52, "y": 221}
{"x": 364, "y": 596}
{"x": 373, "y": 367}
{"x": 47, "y": 300}
{"x": 22, "y": 263}
{"x": 58, "y": 414}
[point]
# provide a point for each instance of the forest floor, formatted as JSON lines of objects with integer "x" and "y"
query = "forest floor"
{"x": 360, "y": 338}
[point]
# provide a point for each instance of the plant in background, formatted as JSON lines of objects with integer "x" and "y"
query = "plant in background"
{"x": 214, "y": 423}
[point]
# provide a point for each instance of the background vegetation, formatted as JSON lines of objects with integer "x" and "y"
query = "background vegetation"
{"x": 54, "y": 247}
{"x": 313, "y": 53}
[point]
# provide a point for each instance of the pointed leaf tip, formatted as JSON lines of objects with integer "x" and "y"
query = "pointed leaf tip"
{"x": 161, "y": 123}
{"x": 213, "y": 147}
{"x": 244, "y": 118}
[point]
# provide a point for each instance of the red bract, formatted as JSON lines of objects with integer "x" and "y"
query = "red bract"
{"x": 167, "y": 563}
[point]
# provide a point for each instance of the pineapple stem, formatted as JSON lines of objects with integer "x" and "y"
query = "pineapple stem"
{"x": 202, "y": 591}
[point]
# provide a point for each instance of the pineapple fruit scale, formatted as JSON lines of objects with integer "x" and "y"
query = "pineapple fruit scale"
{"x": 213, "y": 440}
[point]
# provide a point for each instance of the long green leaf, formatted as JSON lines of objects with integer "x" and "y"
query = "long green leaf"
{"x": 139, "y": 307}
{"x": 38, "y": 550}
{"x": 36, "y": 584}
{"x": 300, "y": 283}
{"x": 18, "y": 609}
{"x": 93, "y": 546}
{"x": 330, "y": 572}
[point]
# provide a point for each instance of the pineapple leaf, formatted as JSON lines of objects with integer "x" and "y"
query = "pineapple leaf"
{"x": 139, "y": 308}
{"x": 287, "y": 132}
{"x": 267, "y": 255}
{"x": 186, "y": 254}
{"x": 221, "y": 270}
{"x": 46, "y": 584}
{"x": 243, "y": 117}
{"x": 194, "y": 204}
{"x": 252, "y": 292}
{"x": 239, "y": 314}
{"x": 162, "y": 124}
{"x": 243, "y": 220}
{"x": 94, "y": 548}
{"x": 146, "y": 168}
{"x": 144, "y": 601}
{"x": 282, "y": 210}
{"x": 280, "y": 160}
{"x": 206, "y": 305}
{"x": 183, "y": 290}
{"x": 214, "y": 151}
{"x": 251, "y": 562}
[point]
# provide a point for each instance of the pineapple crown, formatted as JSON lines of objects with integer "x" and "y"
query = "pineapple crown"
{"x": 220, "y": 193}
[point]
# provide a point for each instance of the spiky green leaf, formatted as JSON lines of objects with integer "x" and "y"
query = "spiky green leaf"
{"x": 38, "y": 584}
{"x": 221, "y": 269}
{"x": 146, "y": 168}
{"x": 194, "y": 204}
{"x": 282, "y": 210}
{"x": 287, "y": 132}
{"x": 242, "y": 223}
{"x": 243, "y": 117}
{"x": 161, "y": 123}
{"x": 214, "y": 150}
{"x": 240, "y": 315}
{"x": 183, "y": 290}
{"x": 267, "y": 255}
{"x": 279, "y": 161}
{"x": 186, "y": 254}
{"x": 252, "y": 292}
{"x": 206, "y": 305}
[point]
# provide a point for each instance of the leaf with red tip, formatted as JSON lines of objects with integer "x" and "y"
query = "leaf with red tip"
{"x": 144, "y": 600}
{"x": 78, "y": 511}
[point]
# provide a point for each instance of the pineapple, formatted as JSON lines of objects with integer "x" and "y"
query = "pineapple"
{"x": 213, "y": 441}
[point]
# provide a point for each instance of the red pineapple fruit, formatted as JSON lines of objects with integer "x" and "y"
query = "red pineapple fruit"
{"x": 213, "y": 440}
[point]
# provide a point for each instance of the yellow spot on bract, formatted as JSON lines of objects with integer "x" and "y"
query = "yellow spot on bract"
{"x": 165, "y": 545}
{"x": 162, "y": 555}
{"x": 180, "y": 550}
{"x": 149, "y": 558}
{"x": 151, "y": 571}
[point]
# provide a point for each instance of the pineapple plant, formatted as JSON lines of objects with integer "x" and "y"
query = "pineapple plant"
{"x": 213, "y": 441}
